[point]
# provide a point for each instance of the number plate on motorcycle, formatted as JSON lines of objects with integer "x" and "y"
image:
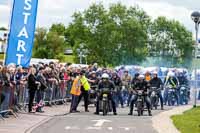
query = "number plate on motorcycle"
{"x": 105, "y": 95}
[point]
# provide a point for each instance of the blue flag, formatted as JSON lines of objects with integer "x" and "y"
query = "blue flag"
{"x": 22, "y": 29}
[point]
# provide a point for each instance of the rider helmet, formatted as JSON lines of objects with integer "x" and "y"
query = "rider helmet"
{"x": 155, "y": 73}
{"x": 105, "y": 76}
{"x": 141, "y": 76}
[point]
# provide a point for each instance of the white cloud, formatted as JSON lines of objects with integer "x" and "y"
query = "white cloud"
{"x": 4, "y": 15}
{"x": 60, "y": 11}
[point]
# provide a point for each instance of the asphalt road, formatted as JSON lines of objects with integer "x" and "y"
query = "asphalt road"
{"x": 89, "y": 123}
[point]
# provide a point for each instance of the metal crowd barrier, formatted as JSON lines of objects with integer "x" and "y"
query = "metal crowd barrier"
{"x": 15, "y": 98}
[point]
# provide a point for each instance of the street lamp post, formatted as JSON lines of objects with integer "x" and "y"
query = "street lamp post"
{"x": 82, "y": 53}
{"x": 196, "y": 18}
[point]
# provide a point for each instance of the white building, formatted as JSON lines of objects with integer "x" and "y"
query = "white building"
{"x": 3, "y": 41}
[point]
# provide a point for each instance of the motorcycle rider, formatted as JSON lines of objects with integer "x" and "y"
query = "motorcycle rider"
{"x": 105, "y": 83}
{"x": 183, "y": 81}
{"x": 93, "y": 80}
{"x": 133, "y": 82}
{"x": 172, "y": 81}
{"x": 147, "y": 76}
{"x": 141, "y": 84}
{"x": 157, "y": 82}
{"x": 118, "y": 87}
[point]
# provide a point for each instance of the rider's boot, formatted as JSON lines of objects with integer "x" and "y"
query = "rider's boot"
{"x": 114, "y": 113}
{"x": 131, "y": 112}
{"x": 149, "y": 111}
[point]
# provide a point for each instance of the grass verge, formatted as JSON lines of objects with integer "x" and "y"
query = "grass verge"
{"x": 188, "y": 122}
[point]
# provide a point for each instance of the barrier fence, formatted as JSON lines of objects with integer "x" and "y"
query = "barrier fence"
{"x": 15, "y": 98}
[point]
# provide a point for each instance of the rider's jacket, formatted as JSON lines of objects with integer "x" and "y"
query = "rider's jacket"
{"x": 117, "y": 81}
{"x": 126, "y": 80}
{"x": 107, "y": 84}
{"x": 134, "y": 82}
{"x": 142, "y": 85}
{"x": 93, "y": 83}
{"x": 156, "y": 82}
{"x": 182, "y": 80}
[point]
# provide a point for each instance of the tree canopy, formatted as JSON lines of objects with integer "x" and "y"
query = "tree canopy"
{"x": 116, "y": 35}
{"x": 113, "y": 36}
{"x": 48, "y": 45}
{"x": 170, "y": 39}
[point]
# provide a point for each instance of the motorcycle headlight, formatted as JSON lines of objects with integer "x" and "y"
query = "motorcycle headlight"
{"x": 105, "y": 95}
{"x": 153, "y": 93}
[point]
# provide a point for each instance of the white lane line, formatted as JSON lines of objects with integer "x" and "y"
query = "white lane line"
{"x": 71, "y": 128}
{"x": 93, "y": 128}
{"x": 100, "y": 122}
{"x": 67, "y": 128}
{"x": 110, "y": 128}
{"x": 125, "y": 128}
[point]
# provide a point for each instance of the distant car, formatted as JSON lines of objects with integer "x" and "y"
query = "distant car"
{"x": 68, "y": 52}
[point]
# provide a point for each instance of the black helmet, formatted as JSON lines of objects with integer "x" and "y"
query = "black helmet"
{"x": 136, "y": 75}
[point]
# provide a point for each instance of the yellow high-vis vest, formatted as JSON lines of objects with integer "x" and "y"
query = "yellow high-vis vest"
{"x": 85, "y": 83}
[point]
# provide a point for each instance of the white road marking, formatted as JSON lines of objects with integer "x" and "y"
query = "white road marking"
{"x": 67, "y": 128}
{"x": 93, "y": 128}
{"x": 71, "y": 128}
{"x": 100, "y": 122}
{"x": 125, "y": 128}
{"x": 110, "y": 128}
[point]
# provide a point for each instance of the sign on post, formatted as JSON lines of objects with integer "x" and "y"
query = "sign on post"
{"x": 22, "y": 29}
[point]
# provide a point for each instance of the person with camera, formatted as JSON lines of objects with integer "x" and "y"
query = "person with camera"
{"x": 41, "y": 89}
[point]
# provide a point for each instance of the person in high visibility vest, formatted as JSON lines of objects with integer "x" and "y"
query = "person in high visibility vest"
{"x": 171, "y": 81}
{"x": 85, "y": 87}
{"x": 75, "y": 92}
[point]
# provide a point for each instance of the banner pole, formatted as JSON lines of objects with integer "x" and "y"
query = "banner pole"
{"x": 11, "y": 6}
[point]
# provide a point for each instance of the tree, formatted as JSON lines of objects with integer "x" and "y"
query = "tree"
{"x": 114, "y": 36}
{"x": 169, "y": 39}
{"x": 3, "y": 28}
{"x": 48, "y": 45}
{"x": 59, "y": 28}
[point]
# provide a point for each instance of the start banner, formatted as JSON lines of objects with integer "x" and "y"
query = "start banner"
{"x": 22, "y": 30}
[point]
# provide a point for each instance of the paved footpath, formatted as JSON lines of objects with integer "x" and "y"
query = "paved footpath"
{"x": 167, "y": 123}
{"x": 89, "y": 123}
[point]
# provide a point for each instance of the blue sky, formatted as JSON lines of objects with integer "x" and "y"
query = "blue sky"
{"x": 60, "y": 11}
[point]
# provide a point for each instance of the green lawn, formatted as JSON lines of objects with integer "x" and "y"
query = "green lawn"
{"x": 189, "y": 122}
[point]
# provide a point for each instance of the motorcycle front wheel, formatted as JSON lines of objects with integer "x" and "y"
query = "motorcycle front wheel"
{"x": 105, "y": 110}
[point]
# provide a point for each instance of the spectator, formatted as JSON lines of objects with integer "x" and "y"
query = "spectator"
{"x": 32, "y": 86}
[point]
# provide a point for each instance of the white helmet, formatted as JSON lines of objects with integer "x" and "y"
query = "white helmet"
{"x": 141, "y": 76}
{"x": 105, "y": 76}
{"x": 171, "y": 74}
{"x": 155, "y": 72}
